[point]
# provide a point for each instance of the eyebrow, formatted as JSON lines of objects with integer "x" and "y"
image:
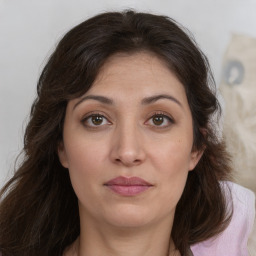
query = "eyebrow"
{"x": 145, "y": 101}
{"x": 155, "y": 98}
{"x": 101, "y": 99}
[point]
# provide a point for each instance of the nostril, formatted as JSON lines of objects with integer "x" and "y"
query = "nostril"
{"x": 127, "y": 153}
{"x": 127, "y": 162}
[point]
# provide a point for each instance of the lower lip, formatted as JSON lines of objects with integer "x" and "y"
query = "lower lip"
{"x": 128, "y": 190}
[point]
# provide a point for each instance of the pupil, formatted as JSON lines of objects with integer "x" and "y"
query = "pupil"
{"x": 158, "y": 120}
{"x": 97, "y": 120}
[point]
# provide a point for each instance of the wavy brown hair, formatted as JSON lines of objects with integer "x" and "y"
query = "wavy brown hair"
{"x": 39, "y": 209}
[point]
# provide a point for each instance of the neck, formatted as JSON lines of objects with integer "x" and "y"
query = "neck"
{"x": 98, "y": 240}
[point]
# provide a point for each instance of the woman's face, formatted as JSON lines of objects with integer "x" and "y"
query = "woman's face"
{"x": 128, "y": 143}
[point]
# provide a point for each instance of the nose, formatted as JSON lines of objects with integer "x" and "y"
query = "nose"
{"x": 127, "y": 146}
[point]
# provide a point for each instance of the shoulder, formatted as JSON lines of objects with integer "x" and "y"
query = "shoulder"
{"x": 233, "y": 240}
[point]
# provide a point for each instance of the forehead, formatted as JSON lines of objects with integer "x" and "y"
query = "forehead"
{"x": 140, "y": 62}
{"x": 141, "y": 72}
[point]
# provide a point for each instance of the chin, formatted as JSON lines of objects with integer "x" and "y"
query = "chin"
{"x": 131, "y": 217}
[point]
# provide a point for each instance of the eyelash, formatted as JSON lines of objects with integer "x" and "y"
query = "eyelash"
{"x": 86, "y": 119}
{"x": 165, "y": 116}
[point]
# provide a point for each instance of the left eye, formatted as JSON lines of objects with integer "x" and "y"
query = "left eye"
{"x": 95, "y": 120}
{"x": 160, "y": 120}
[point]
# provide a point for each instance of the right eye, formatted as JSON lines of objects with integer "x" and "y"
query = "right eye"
{"x": 95, "y": 120}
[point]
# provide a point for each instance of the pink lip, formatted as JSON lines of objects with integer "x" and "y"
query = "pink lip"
{"x": 128, "y": 186}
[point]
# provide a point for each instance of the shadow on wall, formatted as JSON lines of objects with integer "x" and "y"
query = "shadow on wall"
{"x": 238, "y": 89}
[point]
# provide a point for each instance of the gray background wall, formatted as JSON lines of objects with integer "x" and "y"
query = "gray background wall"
{"x": 29, "y": 30}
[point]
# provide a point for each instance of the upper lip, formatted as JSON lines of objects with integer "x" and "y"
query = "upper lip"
{"x": 127, "y": 181}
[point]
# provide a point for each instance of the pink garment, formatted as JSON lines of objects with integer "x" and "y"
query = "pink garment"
{"x": 233, "y": 240}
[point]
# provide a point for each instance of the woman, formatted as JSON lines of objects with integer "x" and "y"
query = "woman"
{"x": 120, "y": 154}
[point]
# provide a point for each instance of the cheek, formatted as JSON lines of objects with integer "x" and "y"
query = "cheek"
{"x": 175, "y": 169}
{"x": 173, "y": 155}
{"x": 85, "y": 164}
{"x": 172, "y": 165}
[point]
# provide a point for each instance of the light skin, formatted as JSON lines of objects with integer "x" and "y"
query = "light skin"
{"x": 134, "y": 121}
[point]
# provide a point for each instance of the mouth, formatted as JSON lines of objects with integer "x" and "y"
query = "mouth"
{"x": 128, "y": 186}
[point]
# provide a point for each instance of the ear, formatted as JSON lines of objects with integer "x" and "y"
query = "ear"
{"x": 194, "y": 158}
{"x": 62, "y": 155}
{"x": 196, "y": 154}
